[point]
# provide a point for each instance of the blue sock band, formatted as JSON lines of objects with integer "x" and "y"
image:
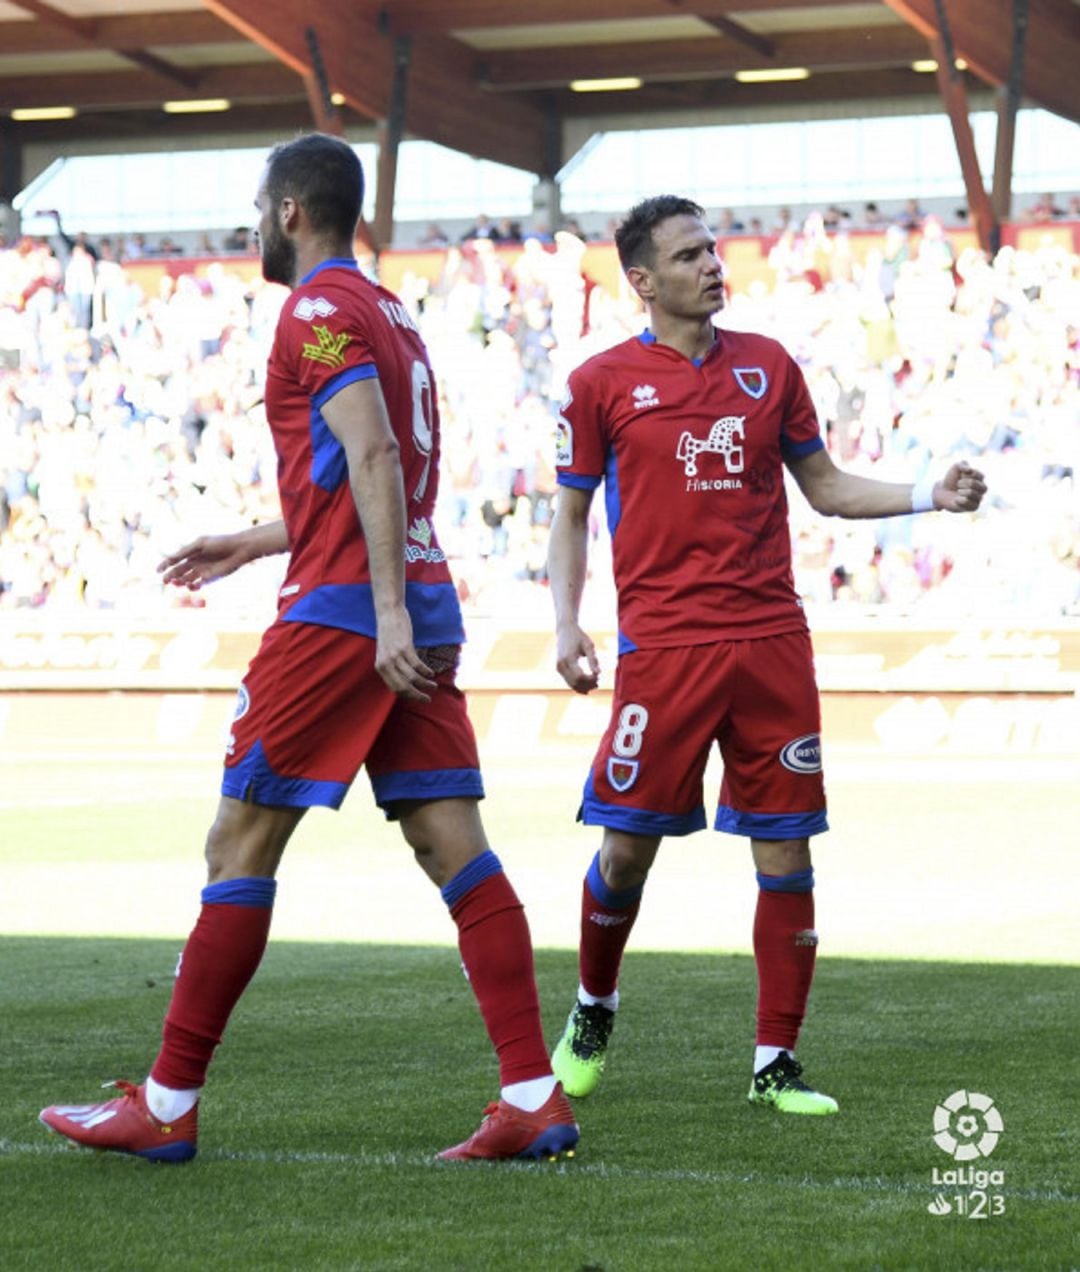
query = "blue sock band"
{"x": 255, "y": 892}
{"x": 607, "y": 896}
{"x": 798, "y": 881}
{"x": 479, "y": 869}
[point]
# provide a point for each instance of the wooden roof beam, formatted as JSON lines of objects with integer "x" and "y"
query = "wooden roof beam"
{"x": 86, "y": 32}
{"x": 137, "y": 31}
{"x": 954, "y": 96}
{"x": 81, "y": 28}
{"x": 740, "y": 34}
{"x": 444, "y": 102}
{"x": 343, "y": 37}
{"x": 983, "y": 33}
{"x": 159, "y": 66}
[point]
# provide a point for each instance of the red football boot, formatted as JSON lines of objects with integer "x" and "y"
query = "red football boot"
{"x": 508, "y": 1131}
{"x": 126, "y": 1125}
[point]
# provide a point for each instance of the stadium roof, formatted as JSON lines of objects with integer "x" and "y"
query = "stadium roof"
{"x": 489, "y": 77}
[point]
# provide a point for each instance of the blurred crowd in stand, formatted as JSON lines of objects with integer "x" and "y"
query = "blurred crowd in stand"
{"x": 129, "y": 423}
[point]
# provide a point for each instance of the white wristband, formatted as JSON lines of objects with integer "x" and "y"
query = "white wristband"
{"x": 922, "y": 494}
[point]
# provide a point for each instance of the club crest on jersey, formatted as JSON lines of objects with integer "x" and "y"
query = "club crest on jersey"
{"x": 330, "y": 347}
{"x": 308, "y": 307}
{"x": 622, "y": 774}
{"x": 802, "y": 755}
{"x": 751, "y": 380}
{"x": 644, "y": 395}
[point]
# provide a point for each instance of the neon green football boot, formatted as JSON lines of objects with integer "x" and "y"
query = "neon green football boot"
{"x": 780, "y": 1086}
{"x": 578, "y": 1058}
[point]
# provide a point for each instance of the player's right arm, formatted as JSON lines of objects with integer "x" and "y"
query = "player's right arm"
{"x": 568, "y": 549}
{"x": 213, "y": 556}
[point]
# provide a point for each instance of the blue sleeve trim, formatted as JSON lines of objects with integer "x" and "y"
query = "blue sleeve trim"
{"x": 797, "y": 881}
{"x": 799, "y": 450}
{"x": 468, "y": 877}
{"x": 424, "y": 784}
{"x": 365, "y": 371}
{"x": 771, "y": 825}
{"x": 255, "y": 892}
{"x": 608, "y": 896}
{"x": 253, "y": 779}
{"x": 637, "y": 821}
{"x": 578, "y": 481}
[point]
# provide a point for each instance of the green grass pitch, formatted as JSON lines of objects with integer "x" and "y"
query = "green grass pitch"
{"x": 947, "y": 908}
{"x": 347, "y": 1066}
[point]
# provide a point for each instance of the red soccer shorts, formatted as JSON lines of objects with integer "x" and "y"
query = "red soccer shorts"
{"x": 756, "y": 698}
{"x": 312, "y": 709}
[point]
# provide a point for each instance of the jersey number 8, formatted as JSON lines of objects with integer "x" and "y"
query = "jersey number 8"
{"x": 628, "y": 731}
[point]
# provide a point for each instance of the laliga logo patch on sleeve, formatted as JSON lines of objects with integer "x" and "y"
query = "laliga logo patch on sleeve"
{"x": 564, "y": 443}
{"x": 564, "y": 433}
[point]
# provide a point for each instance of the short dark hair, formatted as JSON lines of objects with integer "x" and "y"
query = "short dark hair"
{"x": 323, "y": 174}
{"x": 633, "y": 238}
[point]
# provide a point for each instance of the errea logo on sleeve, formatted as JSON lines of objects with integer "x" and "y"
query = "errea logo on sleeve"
{"x": 309, "y": 307}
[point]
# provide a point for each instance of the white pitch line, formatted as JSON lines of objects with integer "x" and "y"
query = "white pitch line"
{"x": 596, "y": 1170}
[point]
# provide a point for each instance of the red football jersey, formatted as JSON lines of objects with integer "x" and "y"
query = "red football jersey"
{"x": 335, "y": 328}
{"x": 691, "y": 456}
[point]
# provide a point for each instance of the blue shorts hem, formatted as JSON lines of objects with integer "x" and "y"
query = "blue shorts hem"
{"x": 640, "y": 821}
{"x": 390, "y": 788}
{"x": 254, "y": 781}
{"x": 771, "y": 825}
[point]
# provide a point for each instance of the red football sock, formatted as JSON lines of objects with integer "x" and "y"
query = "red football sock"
{"x": 785, "y": 947}
{"x": 218, "y": 961}
{"x": 496, "y": 949}
{"x": 607, "y": 919}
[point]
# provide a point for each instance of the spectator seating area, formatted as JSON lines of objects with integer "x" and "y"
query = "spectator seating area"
{"x": 131, "y": 411}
